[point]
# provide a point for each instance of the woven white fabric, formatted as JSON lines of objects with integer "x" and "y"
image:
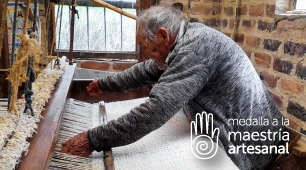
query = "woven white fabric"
{"x": 166, "y": 148}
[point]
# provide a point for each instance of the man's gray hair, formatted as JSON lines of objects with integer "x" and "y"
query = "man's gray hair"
{"x": 150, "y": 20}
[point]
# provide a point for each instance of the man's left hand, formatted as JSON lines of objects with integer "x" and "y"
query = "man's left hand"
{"x": 78, "y": 145}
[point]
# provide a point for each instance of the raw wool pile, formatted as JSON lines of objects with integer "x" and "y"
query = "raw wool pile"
{"x": 43, "y": 87}
{"x": 15, "y": 130}
{"x": 18, "y": 72}
{"x": 18, "y": 142}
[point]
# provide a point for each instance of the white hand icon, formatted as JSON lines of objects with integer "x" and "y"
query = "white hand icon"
{"x": 200, "y": 146}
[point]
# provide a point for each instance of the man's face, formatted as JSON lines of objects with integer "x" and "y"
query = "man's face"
{"x": 158, "y": 49}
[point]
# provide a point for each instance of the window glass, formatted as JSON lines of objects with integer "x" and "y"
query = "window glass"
{"x": 113, "y": 30}
{"x": 102, "y": 30}
{"x": 96, "y": 29}
{"x": 128, "y": 31}
{"x": 300, "y": 4}
{"x": 80, "y": 41}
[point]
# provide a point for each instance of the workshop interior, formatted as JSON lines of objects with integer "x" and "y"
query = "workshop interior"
{"x": 51, "y": 50}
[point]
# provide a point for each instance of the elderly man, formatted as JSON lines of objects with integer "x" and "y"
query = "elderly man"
{"x": 195, "y": 68}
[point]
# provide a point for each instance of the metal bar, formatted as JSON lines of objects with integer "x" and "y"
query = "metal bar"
{"x": 73, "y": 12}
{"x": 87, "y": 10}
{"x": 121, "y": 28}
{"x": 105, "y": 28}
{"x": 108, "y": 155}
{"x": 60, "y": 29}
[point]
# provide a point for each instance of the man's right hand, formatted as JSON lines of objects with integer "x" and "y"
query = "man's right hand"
{"x": 93, "y": 88}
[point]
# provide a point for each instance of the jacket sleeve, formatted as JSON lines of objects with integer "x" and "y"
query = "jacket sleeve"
{"x": 139, "y": 75}
{"x": 181, "y": 82}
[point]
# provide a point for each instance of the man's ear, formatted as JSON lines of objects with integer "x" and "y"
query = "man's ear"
{"x": 162, "y": 36}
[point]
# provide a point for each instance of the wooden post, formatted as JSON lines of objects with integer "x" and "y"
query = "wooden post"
{"x": 4, "y": 59}
{"x": 73, "y": 12}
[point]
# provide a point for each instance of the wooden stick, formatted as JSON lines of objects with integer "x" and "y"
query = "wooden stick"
{"x": 25, "y": 25}
{"x": 73, "y": 12}
{"x": 111, "y": 7}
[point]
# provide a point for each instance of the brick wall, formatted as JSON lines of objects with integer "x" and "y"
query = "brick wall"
{"x": 113, "y": 66}
{"x": 275, "y": 45}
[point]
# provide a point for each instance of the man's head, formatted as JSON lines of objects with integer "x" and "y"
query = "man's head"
{"x": 157, "y": 28}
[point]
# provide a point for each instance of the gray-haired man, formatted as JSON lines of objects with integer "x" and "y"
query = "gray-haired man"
{"x": 196, "y": 68}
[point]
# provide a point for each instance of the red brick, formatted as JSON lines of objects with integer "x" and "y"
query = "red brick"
{"x": 271, "y": 45}
{"x": 200, "y": 10}
{"x": 303, "y": 34}
{"x": 95, "y": 65}
{"x": 296, "y": 110}
{"x": 293, "y": 48}
{"x": 243, "y": 10}
{"x": 257, "y": 10}
{"x": 291, "y": 86}
{"x": 206, "y": 10}
{"x": 270, "y": 10}
{"x": 224, "y": 23}
{"x": 248, "y": 53}
{"x": 294, "y": 125}
{"x": 239, "y": 38}
{"x": 253, "y": 41}
{"x": 248, "y": 23}
{"x": 282, "y": 66}
{"x": 269, "y": 79}
{"x": 280, "y": 27}
{"x": 122, "y": 65}
{"x": 228, "y": 34}
{"x": 212, "y": 22}
{"x": 216, "y": 10}
{"x": 301, "y": 70}
{"x": 229, "y": 11}
{"x": 231, "y": 23}
{"x": 290, "y": 25}
{"x": 263, "y": 59}
{"x": 277, "y": 100}
{"x": 264, "y": 25}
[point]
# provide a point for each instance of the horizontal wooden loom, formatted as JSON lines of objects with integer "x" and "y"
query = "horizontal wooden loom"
{"x": 43, "y": 143}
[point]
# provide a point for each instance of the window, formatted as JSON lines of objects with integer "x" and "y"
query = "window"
{"x": 97, "y": 29}
{"x": 300, "y": 4}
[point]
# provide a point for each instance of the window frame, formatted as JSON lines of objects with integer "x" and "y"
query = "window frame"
{"x": 91, "y": 54}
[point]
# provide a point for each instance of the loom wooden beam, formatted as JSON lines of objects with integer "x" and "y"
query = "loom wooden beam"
{"x": 4, "y": 57}
{"x": 111, "y": 7}
{"x": 43, "y": 142}
{"x": 78, "y": 92}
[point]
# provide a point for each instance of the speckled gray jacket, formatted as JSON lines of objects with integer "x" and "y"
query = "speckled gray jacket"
{"x": 207, "y": 71}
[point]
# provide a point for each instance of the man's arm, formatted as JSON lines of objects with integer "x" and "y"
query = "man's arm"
{"x": 179, "y": 84}
{"x": 139, "y": 75}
